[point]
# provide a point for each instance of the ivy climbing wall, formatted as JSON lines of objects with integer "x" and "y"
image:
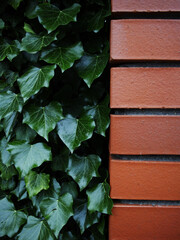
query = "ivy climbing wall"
{"x": 145, "y": 120}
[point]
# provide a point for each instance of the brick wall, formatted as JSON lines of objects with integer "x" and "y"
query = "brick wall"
{"x": 145, "y": 120}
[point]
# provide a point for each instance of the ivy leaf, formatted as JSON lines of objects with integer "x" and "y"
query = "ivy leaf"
{"x": 25, "y": 133}
{"x": 33, "y": 43}
{"x": 4, "y": 154}
{"x": 100, "y": 113}
{"x": 91, "y": 66}
{"x": 70, "y": 236}
{"x": 10, "y": 218}
{"x": 98, "y": 198}
{"x": 43, "y": 119}
{"x": 28, "y": 28}
{"x": 69, "y": 187}
{"x": 73, "y": 131}
{"x": 36, "y": 182}
{"x": 83, "y": 169}
{"x": 57, "y": 212}
{"x": 8, "y": 185}
{"x": 15, "y": 3}
{"x": 26, "y": 156}
{"x": 34, "y": 79}
{"x": 20, "y": 190}
{"x": 7, "y": 172}
{"x": 64, "y": 56}
{"x": 10, "y": 102}
{"x": 1, "y": 24}
{"x": 36, "y": 229}
{"x": 9, "y": 123}
{"x": 51, "y": 17}
{"x": 9, "y": 50}
{"x": 83, "y": 218}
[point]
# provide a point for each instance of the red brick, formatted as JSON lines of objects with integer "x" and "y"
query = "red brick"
{"x": 134, "y": 135}
{"x": 145, "y": 88}
{"x": 134, "y": 222}
{"x": 147, "y": 39}
{"x": 119, "y": 6}
{"x": 148, "y": 180}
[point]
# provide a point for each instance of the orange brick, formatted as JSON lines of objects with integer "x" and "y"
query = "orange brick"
{"x": 145, "y": 88}
{"x": 134, "y": 222}
{"x": 134, "y": 135}
{"x": 147, "y": 39}
{"x": 148, "y": 180}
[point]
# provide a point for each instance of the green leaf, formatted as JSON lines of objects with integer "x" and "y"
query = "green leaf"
{"x": 34, "y": 79}
{"x": 9, "y": 123}
{"x": 100, "y": 113}
{"x": 26, "y": 156}
{"x": 70, "y": 236}
{"x": 36, "y": 182}
{"x": 57, "y": 212}
{"x": 33, "y": 43}
{"x": 15, "y": 3}
{"x": 7, "y": 185}
{"x": 43, "y": 119}
{"x": 4, "y": 154}
{"x": 7, "y": 172}
{"x": 1, "y": 24}
{"x": 73, "y": 131}
{"x": 25, "y": 133}
{"x": 10, "y": 102}
{"x": 91, "y": 66}
{"x": 8, "y": 50}
{"x": 83, "y": 169}
{"x": 82, "y": 216}
{"x": 20, "y": 190}
{"x": 10, "y": 218}
{"x": 51, "y": 17}
{"x": 28, "y": 28}
{"x": 98, "y": 198}
{"x": 36, "y": 229}
{"x": 64, "y": 56}
{"x": 69, "y": 187}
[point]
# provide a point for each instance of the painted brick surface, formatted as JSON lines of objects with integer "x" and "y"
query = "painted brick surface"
{"x": 142, "y": 135}
{"x": 145, "y": 6}
{"x": 147, "y": 39}
{"x": 133, "y": 222}
{"x": 145, "y": 87}
{"x": 145, "y": 180}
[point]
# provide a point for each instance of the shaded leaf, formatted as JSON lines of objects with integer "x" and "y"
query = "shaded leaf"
{"x": 36, "y": 229}
{"x": 20, "y": 190}
{"x": 64, "y": 56}
{"x": 28, "y": 28}
{"x": 34, "y": 79}
{"x": 73, "y": 131}
{"x": 52, "y": 17}
{"x": 91, "y": 66}
{"x": 10, "y": 218}
{"x": 15, "y": 3}
{"x": 1, "y": 24}
{"x": 8, "y": 50}
{"x": 26, "y": 156}
{"x": 69, "y": 187}
{"x": 36, "y": 182}
{"x": 4, "y": 154}
{"x": 33, "y": 43}
{"x": 10, "y": 102}
{"x": 25, "y": 133}
{"x": 43, "y": 119}
{"x": 7, "y": 172}
{"x": 83, "y": 169}
{"x": 9, "y": 184}
{"x": 98, "y": 198}
{"x": 57, "y": 212}
{"x": 9, "y": 123}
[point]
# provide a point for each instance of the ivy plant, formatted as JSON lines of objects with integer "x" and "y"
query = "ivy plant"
{"x": 54, "y": 119}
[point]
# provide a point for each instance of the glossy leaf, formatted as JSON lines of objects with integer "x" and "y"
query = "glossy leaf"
{"x": 57, "y": 212}
{"x": 52, "y": 17}
{"x": 7, "y": 172}
{"x": 98, "y": 198}
{"x": 34, "y": 79}
{"x": 10, "y": 219}
{"x": 26, "y": 156}
{"x": 33, "y": 43}
{"x": 36, "y": 182}
{"x": 20, "y": 190}
{"x": 36, "y": 229}
{"x": 73, "y": 131}
{"x": 9, "y": 123}
{"x": 10, "y": 102}
{"x": 4, "y": 154}
{"x": 64, "y": 56}
{"x": 91, "y": 67}
{"x": 8, "y": 50}
{"x": 43, "y": 119}
{"x": 100, "y": 113}
{"x": 83, "y": 217}
{"x": 83, "y": 169}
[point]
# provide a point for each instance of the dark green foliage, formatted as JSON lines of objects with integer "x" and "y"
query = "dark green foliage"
{"x": 54, "y": 117}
